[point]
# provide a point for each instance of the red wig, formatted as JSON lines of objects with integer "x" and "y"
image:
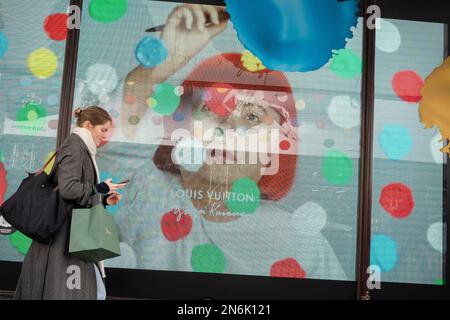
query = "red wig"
{"x": 227, "y": 71}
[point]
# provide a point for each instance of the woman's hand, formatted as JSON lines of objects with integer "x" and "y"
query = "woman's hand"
{"x": 115, "y": 186}
{"x": 189, "y": 28}
{"x": 114, "y": 198}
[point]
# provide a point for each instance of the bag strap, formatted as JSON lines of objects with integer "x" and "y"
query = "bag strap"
{"x": 45, "y": 166}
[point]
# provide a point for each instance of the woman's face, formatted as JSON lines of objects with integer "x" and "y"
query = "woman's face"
{"x": 100, "y": 133}
{"x": 244, "y": 116}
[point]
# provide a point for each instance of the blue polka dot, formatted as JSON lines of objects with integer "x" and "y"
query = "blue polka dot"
{"x": 395, "y": 141}
{"x": 383, "y": 252}
{"x": 150, "y": 52}
{"x": 3, "y": 44}
{"x": 178, "y": 116}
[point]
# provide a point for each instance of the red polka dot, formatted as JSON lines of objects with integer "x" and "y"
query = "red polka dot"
{"x": 285, "y": 145}
{"x": 216, "y": 96}
{"x": 407, "y": 85}
{"x": 176, "y": 224}
{"x": 3, "y": 183}
{"x": 55, "y": 26}
{"x": 287, "y": 268}
{"x": 397, "y": 200}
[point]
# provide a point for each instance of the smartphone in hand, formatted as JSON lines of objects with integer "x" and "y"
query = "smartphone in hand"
{"x": 124, "y": 181}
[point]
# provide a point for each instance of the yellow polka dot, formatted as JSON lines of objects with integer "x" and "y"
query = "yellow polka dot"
{"x": 42, "y": 63}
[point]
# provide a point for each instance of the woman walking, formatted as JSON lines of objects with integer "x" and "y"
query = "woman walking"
{"x": 48, "y": 270}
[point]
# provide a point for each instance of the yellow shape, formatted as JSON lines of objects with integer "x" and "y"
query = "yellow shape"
{"x": 434, "y": 108}
{"x": 50, "y": 165}
{"x": 251, "y": 62}
{"x": 42, "y": 63}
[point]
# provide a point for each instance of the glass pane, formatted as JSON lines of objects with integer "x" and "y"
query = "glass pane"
{"x": 407, "y": 210}
{"x": 32, "y": 45}
{"x": 180, "y": 214}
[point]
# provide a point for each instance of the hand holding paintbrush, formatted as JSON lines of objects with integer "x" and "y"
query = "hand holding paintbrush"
{"x": 189, "y": 13}
{"x": 188, "y": 29}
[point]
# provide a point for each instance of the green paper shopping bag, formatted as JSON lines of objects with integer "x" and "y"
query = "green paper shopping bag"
{"x": 93, "y": 234}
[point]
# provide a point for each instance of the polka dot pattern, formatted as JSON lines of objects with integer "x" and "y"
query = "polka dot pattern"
{"x": 383, "y": 252}
{"x": 397, "y": 199}
{"x": 244, "y": 197}
{"x": 176, "y": 224}
{"x": 55, "y": 26}
{"x": 287, "y": 268}
{"x": 165, "y": 99}
{"x": 208, "y": 258}
{"x": 107, "y": 11}
{"x": 407, "y": 85}
{"x": 151, "y": 52}
{"x": 42, "y": 63}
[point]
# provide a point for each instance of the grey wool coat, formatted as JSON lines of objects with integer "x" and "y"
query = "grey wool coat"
{"x": 48, "y": 271}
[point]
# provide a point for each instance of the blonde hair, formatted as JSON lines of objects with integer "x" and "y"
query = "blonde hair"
{"x": 95, "y": 115}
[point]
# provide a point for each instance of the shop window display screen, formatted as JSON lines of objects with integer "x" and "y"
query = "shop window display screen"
{"x": 234, "y": 168}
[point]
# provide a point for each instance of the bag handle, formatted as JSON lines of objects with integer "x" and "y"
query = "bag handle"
{"x": 45, "y": 166}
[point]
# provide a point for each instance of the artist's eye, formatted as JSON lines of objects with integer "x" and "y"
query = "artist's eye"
{"x": 252, "y": 117}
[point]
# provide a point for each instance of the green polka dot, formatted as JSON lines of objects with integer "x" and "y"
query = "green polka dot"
{"x": 32, "y": 118}
{"x": 20, "y": 241}
{"x": 337, "y": 168}
{"x": 244, "y": 196}
{"x": 346, "y": 64}
{"x": 208, "y": 258}
{"x": 167, "y": 100}
{"x": 133, "y": 120}
{"x": 106, "y": 11}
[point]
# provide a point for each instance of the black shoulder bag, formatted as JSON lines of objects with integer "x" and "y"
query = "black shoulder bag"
{"x": 37, "y": 209}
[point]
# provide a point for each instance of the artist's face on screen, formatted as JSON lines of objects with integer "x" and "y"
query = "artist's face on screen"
{"x": 245, "y": 116}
